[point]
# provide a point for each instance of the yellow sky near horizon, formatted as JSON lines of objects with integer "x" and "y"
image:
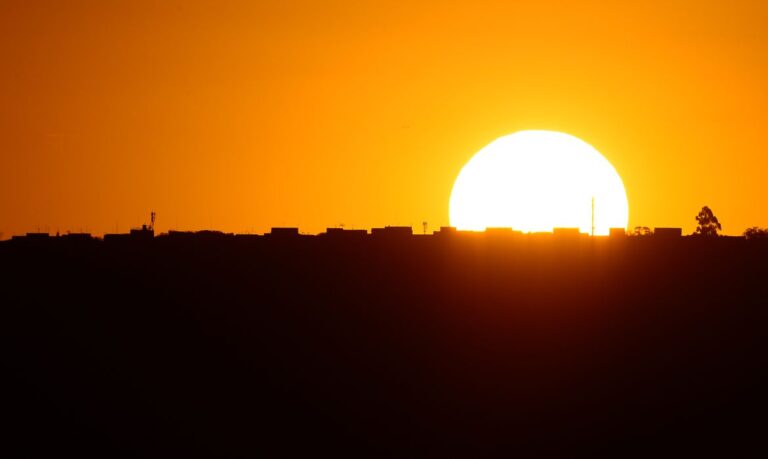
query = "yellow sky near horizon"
{"x": 242, "y": 115}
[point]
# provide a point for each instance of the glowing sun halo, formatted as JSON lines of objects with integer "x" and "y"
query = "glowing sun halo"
{"x": 536, "y": 181}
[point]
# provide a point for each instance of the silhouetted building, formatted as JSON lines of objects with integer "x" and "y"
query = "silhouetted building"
{"x": 212, "y": 234}
{"x": 180, "y": 234}
{"x": 33, "y": 238}
{"x": 617, "y": 232}
{"x": 499, "y": 232}
{"x": 176, "y": 235}
{"x": 284, "y": 232}
{"x": 667, "y": 233}
{"x": 117, "y": 237}
{"x": 79, "y": 237}
{"x": 566, "y": 232}
{"x": 248, "y": 237}
{"x": 143, "y": 233}
{"x": 341, "y": 233}
{"x": 392, "y": 231}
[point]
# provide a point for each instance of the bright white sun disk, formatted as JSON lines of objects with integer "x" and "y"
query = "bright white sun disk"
{"x": 536, "y": 181}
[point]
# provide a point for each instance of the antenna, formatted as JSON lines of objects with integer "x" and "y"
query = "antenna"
{"x": 424, "y": 224}
{"x": 593, "y": 215}
{"x": 152, "y": 216}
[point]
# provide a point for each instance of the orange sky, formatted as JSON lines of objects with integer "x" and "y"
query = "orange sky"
{"x": 238, "y": 116}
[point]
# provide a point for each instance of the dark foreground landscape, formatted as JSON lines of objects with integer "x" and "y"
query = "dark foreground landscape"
{"x": 451, "y": 345}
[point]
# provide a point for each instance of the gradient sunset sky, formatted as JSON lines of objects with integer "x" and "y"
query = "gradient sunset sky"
{"x": 243, "y": 115}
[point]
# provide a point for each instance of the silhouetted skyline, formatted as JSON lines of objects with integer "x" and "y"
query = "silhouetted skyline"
{"x": 489, "y": 344}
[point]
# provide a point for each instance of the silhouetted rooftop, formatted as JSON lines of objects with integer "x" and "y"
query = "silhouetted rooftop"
{"x": 143, "y": 233}
{"x": 617, "y": 232}
{"x": 278, "y": 231}
{"x": 567, "y": 232}
{"x": 397, "y": 231}
{"x": 345, "y": 233}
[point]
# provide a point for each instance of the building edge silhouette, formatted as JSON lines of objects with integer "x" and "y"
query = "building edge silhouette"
{"x": 390, "y": 233}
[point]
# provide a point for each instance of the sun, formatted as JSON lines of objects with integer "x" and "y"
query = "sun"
{"x": 536, "y": 181}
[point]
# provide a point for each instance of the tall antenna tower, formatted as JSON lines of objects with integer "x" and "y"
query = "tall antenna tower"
{"x": 593, "y": 216}
{"x": 152, "y": 220}
{"x": 424, "y": 224}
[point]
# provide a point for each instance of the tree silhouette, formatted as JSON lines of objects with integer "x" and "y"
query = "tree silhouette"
{"x": 708, "y": 223}
{"x": 756, "y": 233}
{"x": 641, "y": 231}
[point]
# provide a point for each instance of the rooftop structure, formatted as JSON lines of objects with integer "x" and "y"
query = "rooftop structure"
{"x": 393, "y": 231}
{"x": 566, "y": 232}
{"x": 345, "y": 233}
{"x": 284, "y": 232}
{"x": 617, "y": 232}
{"x": 145, "y": 232}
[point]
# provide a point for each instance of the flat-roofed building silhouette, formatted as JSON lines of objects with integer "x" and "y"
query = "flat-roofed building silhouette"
{"x": 32, "y": 237}
{"x": 392, "y": 231}
{"x": 284, "y": 232}
{"x": 617, "y": 232}
{"x": 341, "y": 233}
{"x": 502, "y": 232}
{"x": 77, "y": 236}
{"x": 566, "y": 232}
